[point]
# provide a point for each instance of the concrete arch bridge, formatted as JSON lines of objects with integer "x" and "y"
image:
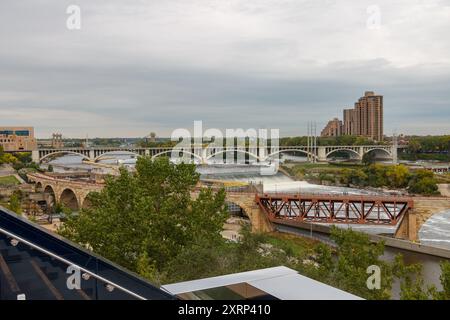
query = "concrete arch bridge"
{"x": 204, "y": 154}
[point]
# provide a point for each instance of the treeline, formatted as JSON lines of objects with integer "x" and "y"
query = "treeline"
{"x": 419, "y": 181}
{"x": 428, "y": 148}
{"x": 6, "y": 157}
{"x": 396, "y": 177}
{"x": 18, "y": 160}
{"x": 432, "y": 144}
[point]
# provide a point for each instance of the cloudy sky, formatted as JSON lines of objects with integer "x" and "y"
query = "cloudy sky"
{"x": 155, "y": 65}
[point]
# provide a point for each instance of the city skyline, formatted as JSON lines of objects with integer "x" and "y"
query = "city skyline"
{"x": 138, "y": 67}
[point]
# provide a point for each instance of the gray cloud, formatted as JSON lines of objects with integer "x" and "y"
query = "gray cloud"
{"x": 140, "y": 66}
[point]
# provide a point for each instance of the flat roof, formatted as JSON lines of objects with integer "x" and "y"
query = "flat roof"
{"x": 280, "y": 282}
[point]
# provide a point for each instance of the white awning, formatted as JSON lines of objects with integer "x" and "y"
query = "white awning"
{"x": 280, "y": 282}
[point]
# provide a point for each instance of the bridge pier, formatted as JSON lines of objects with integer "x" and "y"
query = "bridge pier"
{"x": 361, "y": 153}
{"x": 35, "y": 156}
{"x": 407, "y": 229}
{"x": 322, "y": 154}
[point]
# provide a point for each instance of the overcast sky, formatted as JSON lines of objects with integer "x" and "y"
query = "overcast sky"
{"x": 157, "y": 65}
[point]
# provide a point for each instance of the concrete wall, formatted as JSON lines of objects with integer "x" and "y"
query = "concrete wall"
{"x": 389, "y": 242}
{"x": 444, "y": 189}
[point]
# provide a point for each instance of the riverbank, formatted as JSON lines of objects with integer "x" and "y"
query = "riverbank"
{"x": 315, "y": 230}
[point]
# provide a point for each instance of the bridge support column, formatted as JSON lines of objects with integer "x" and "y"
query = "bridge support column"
{"x": 407, "y": 229}
{"x": 262, "y": 153}
{"x": 394, "y": 153}
{"x": 204, "y": 155}
{"x": 35, "y": 156}
{"x": 361, "y": 152}
{"x": 321, "y": 154}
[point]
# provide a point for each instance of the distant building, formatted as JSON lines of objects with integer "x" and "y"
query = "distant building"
{"x": 369, "y": 116}
{"x": 57, "y": 142}
{"x": 16, "y": 139}
{"x": 365, "y": 119}
{"x": 332, "y": 129}
{"x": 349, "y": 125}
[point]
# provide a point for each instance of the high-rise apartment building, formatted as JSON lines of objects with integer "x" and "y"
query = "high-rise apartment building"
{"x": 349, "y": 125}
{"x": 370, "y": 111}
{"x": 17, "y": 139}
{"x": 332, "y": 129}
{"x": 365, "y": 119}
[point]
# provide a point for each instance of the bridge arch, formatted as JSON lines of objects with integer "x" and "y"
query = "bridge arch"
{"x": 69, "y": 199}
{"x": 170, "y": 151}
{"x": 87, "y": 203}
{"x": 112, "y": 153}
{"x": 38, "y": 187}
{"x": 226, "y": 151}
{"x": 49, "y": 195}
{"x": 235, "y": 208}
{"x": 63, "y": 153}
{"x": 290, "y": 150}
{"x": 389, "y": 153}
{"x": 350, "y": 151}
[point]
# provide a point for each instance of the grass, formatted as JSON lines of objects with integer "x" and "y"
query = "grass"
{"x": 308, "y": 171}
{"x": 442, "y": 178}
{"x": 8, "y": 181}
{"x": 291, "y": 244}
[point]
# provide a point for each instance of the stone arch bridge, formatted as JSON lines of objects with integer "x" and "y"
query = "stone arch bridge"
{"x": 73, "y": 194}
{"x": 203, "y": 154}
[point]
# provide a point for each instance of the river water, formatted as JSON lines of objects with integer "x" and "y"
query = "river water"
{"x": 435, "y": 232}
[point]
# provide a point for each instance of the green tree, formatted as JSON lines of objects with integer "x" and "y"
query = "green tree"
{"x": 149, "y": 214}
{"x": 368, "y": 158}
{"x": 355, "y": 253}
{"x": 412, "y": 285}
{"x": 15, "y": 203}
{"x": 398, "y": 176}
{"x": 445, "y": 282}
{"x": 414, "y": 146}
{"x": 8, "y": 158}
{"x": 423, "y": 182}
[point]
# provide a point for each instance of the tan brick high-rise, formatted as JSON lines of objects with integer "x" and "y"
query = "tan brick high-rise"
{"x": 366, "y": 118}
{"x": 371, "y": 115}
{"x": 333, "y": 128}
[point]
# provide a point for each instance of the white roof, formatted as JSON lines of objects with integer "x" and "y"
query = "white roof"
{"x": 280, "y": 282}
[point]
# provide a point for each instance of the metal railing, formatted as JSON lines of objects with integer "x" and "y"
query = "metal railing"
{"x": 69, "y": 263}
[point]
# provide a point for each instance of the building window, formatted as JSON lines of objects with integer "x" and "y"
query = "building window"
{"x": 23, "y": 133}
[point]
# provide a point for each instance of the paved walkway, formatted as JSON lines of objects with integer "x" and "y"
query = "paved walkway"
{"x": 6, "y": 170}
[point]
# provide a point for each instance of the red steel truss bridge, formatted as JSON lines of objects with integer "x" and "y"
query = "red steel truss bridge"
{"x": 326, "y": 208}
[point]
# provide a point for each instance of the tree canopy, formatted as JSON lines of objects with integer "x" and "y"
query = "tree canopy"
{"x": 144, "y": 220}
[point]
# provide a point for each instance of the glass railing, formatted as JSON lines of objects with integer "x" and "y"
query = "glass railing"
{"x": 37, "y": 265}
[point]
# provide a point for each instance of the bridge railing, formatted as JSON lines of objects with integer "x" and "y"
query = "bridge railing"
{"x": 343, "y": 196}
